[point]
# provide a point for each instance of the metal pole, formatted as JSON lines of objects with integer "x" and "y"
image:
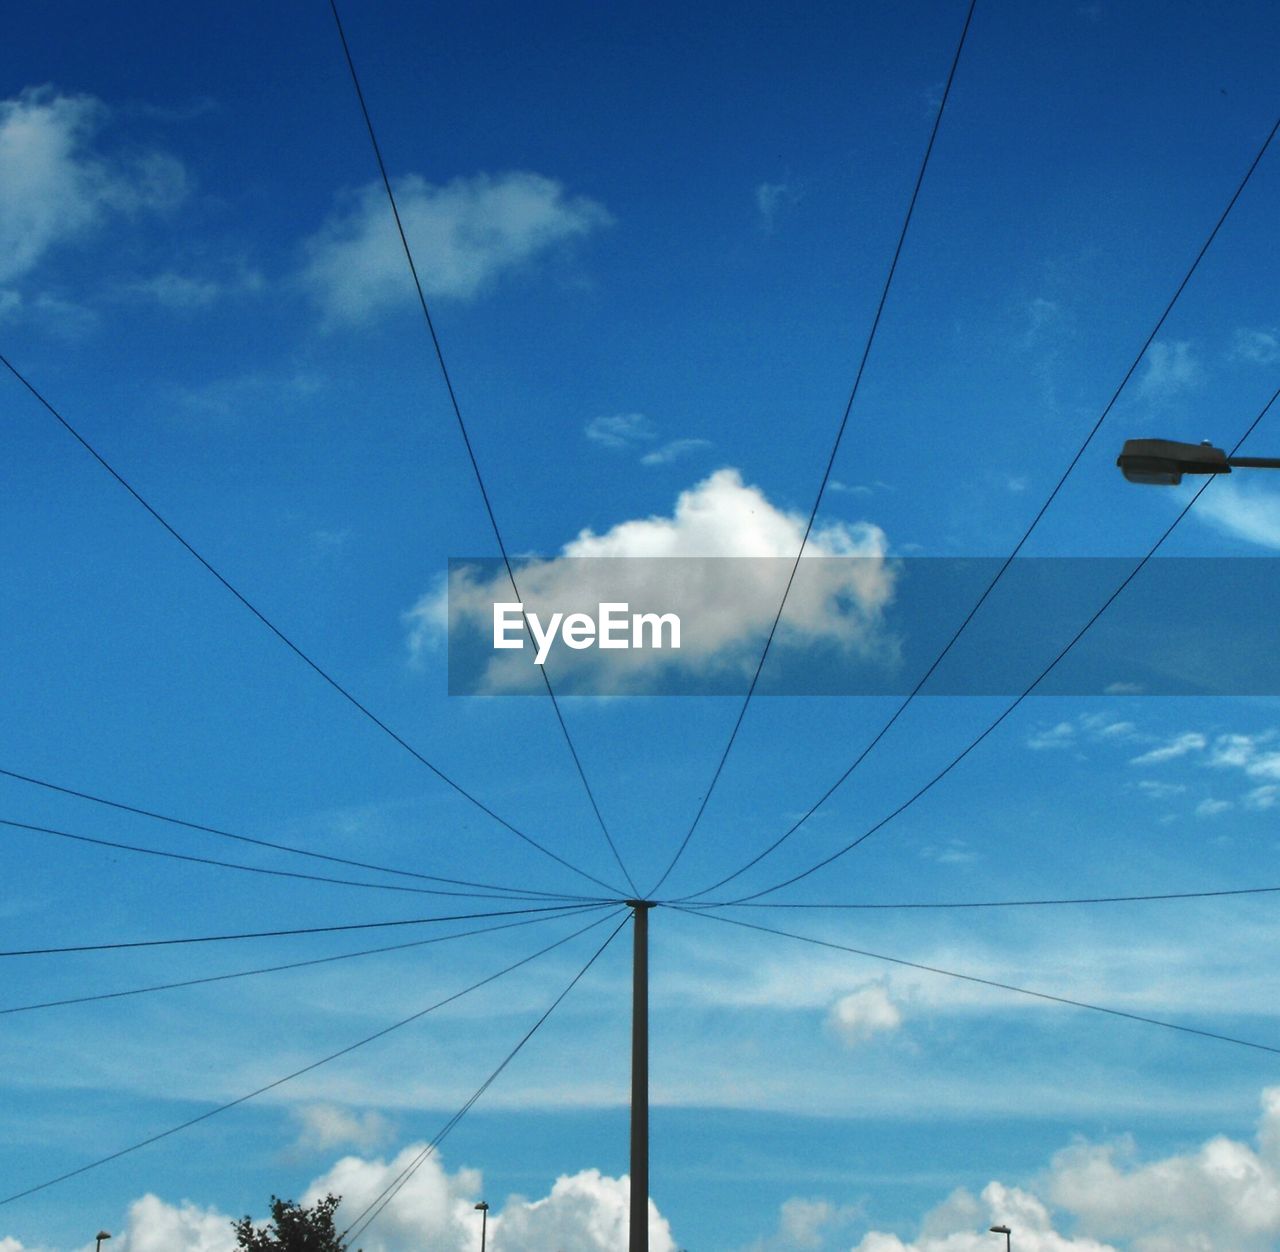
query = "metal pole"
{"x": 639, "y": 1228}
{"x": 483, "y": 1206}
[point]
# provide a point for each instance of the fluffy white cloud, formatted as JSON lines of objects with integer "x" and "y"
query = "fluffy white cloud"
{"x": 464, "y": 235}
{"x": 54, "y": 187}
{"x": 326, "y": 1126}
{"x": 732, "y": 602}
{"x": 1169, "y": 369}
{"x": 584, "y": 1212}
{"x": 864, "y": 1013}
{"x": 155, "y": 1226}
{"x": 1225, "y": 1195}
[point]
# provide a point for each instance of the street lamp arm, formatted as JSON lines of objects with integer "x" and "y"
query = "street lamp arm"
{"x": 1254, "y": 462}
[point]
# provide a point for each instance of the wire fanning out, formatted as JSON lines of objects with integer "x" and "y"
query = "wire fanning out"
{"x": 297, "y": 1073}
{"x": 120, "y": 945}
{"x": 365, "y": 1218}
{"x": 466, "y": 437}
{"x": 1044, "y": 673}
{"x": 274, "y": 969}
{"x": 1035, "y": 521}
{"x": 292, "y": 849}
{"x": 835, "y": 448}
{"x": 988, "y": 982}
{"x": 253, "y": 869}
{"x": 289, "y": 643}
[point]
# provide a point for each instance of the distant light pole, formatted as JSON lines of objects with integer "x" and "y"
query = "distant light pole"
{"x": 484, "y": 1221}
{"x": 1008, "y": 1236}
{"x": 102, "y": 1234}
{"x": 1162, "y": 462}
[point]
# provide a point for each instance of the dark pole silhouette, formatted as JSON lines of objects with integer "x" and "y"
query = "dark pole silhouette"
{"x": 1008, "y": 1236}
{"x": 639, "y": 1229}
{"x": 484, "y": 1221}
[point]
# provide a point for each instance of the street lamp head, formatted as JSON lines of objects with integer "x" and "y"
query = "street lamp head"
{"x": 102, "y": 1234}
{"x": 1162, "y": 462}
{"x": 1000, "y": 1230}
{"x": 483, "y": 1206}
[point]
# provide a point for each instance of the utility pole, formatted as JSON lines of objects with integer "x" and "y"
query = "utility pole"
{"x": 639, "y": 1230}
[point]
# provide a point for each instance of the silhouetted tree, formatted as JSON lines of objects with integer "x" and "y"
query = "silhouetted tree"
{"x": 293, "y": 1228}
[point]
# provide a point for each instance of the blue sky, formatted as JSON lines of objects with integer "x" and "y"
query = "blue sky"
{"x": 653, "y": 241}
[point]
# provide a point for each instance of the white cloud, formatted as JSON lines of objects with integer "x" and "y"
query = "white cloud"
{"x": 863, "y": 1014}
{"x": 731, "y": 602}
{"x": 155, "y": 1226}
{"x": 1169, "y": 369}
{"x": 771, "y": 199}
{"x": 1225, "y": 1195}
{"x": 805, "y": 1222}
{"x": 620, "y": 430}
{"x": 1178, "y": 746}
{"x": 1211, "y": 808}
{"x": 1259, "y": 346}
{"x": 183, "y": 292}
{"x": 465, "y": 235}
{"x": 1160, "y": 790}
{"x": 328, "y": 1126}
{"x": 55, "y": 188}
{"x": 584, "y": 1212}
{"x": 1264, "y": 797}
{"x": 673, "y": 451}
{"x": 1251, "y": 513}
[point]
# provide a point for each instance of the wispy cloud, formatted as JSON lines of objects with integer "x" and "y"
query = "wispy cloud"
{"x": 57, "y": 185}
{"x": 466, "y": 235}
{"x": 673, "y": 451}
{"x": 620, "y": 430}
{"x": 771, "y": 199}
{"x": 1169, "y": 369}
{"x": 1178, "y": 746}
{"x": 1249, "y": 513}
{"x": 1262, "y": 347}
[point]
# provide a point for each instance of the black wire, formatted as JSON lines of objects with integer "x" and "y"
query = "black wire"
{"x": 1035, "y": 521}
{"x": 466, "y": 438}
{"x": 250, "y": 869}
{"x": 293, "y": 647}
{"x": 835, "y": 448}
{"x": 297, "y": 1073}
{"x": 278, "y": 934}
{"x": 941, "y": 774}
{"x": 572, "y": 911}
{"x": 369, "y": 1214}
{"x": 982, "y": 904}
{"x": 988, "y": 982}
{"x": 278, "y": 847}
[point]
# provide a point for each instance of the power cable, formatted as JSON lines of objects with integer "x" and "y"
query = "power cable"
{"x": 121, "y": 945}
{"x": 942, "y": 773}
{"x": 835, "y": 448}
{"x": 369, "y": 1214}
{"x": 989, "y": 982}
{"x": 289, "y": 643}
{"x": 573, "y": 911}
{"x": 297, "y": 1073}
{"x": 62, "y": 789}
{"x": 466, "y": 438}
{"x": 1035, "y": 521}
{"x": 250, "y": 869}
{"x": 982, "y": 904}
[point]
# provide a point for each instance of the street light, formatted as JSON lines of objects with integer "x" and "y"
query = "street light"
{"x": 1008, "y": 1235}
{"x": 484, "y": 1221}
{"x": 1162, "y": 462}
{"x": 102, "y": 1234}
